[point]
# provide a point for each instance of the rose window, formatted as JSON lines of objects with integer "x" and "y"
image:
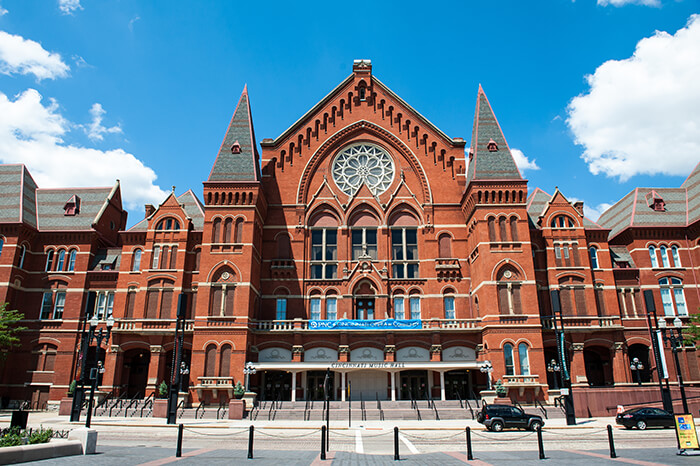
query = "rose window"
{"x": 363, "y": 164}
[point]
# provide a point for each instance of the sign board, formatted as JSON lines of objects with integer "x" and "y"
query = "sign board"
{"x": 348, "y": 324}
{"x": 685, "y": 431}
{"x": 662, "y": 354}
{"x": 561, "y": 345}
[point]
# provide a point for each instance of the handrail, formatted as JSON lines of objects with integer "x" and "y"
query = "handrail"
{"x": 118, "y": 401}
{"x": 379, "y": 406}
{"x": 222, "y": 406}
{"x": 273, "y": 407}
{"x": 135, "y": 399}
{"x": 196, "y": 411}
{"x": 538, "y": 404}
{"x": 362, "y": 407}
{"x": 459, "y": 397}
{"x": 148, "y": 401}
{"x": 474, "y": 397}
{"x": 307, "y": 415}
{"x": 471, "y": 411}
{"x": 431, "y": 402}
{"x": 414, "y": 405}
{"x": 181, "y": 408}
{"x": 102, "y": 402}
{"x": 518, "y": 405}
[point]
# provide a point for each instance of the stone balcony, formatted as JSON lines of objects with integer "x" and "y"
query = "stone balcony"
{"x": 523, "y": 382}
{"x": 166, "y": 326}
{"x": 214, "y": 384}
{"x": 427, "y": 324}
{"x": 583, "y": 322}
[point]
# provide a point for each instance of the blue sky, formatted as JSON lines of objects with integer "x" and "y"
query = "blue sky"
{"x": 602, "y": 95}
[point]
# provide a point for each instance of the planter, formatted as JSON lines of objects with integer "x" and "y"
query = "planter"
{"x": 65, "y": 406}
{"x": 236, "y": 409}
{"x": 160, "y": 407}
{"x": 41, "y": 451}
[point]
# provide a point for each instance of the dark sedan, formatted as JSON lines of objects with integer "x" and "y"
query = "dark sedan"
{"x": 641, "y": 418}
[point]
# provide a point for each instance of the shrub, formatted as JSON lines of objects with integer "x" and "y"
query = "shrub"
{"x": 163, "y": 390}
{"x": 14, "y": 437}
{"x": 238, "y": 390}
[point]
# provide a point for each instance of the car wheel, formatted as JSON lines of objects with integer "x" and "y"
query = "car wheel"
{"x": 497, "y": 426}
{"x": 534, "y": 425}
{"x": 641, "y": 425}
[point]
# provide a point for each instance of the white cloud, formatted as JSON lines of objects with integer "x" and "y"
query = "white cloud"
{"x": 522, "y": 161}
{"x": 628, "y": 2}
{"x": 24, "y": 56}
{"x": 68, "y": 7}
{"x": 32, "y": 133}
{"x": 132, "y": 21}
{"x": 641, "y": 115}
{"x": 95, "y": 130}
{"x": 3, "y": 11}
{"x": 592, "y": 213}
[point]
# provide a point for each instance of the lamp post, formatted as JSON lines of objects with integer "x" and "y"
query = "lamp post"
{"x": 566, "y": 390}
{"x": 176, "y": 376}
{"x": 636, "y": 366}
{"x": 184, "y": 370}
{"x": 79, "y": 392}
{"x": 327, "y": 394}
{"x": 487, "y": 368}
{"x": 95, "y": 372}
{"x": 676, "y": 340}
{"x": 248, "y": 370}
{"x": 655, "y": 345}
{"x": 554, "y": 369}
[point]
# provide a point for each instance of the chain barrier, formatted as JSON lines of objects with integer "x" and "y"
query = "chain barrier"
{"x": 339, "y": 434}
{"x": 577, "y": 434}
{"x": 431, "y": 439}
{"x": 262, "y": 432}
{"x": 227, "y": 434}
{"x": 498, "y": 438}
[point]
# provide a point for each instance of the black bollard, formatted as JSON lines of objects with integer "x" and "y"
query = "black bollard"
{"x": 540, "y": 444}
{"x": 250, "y": 442}
{"x": 469, "y": 444}
{"x": 396, "y": 444}
{"x": 323, "y": 442}
{"x": 611, "y": 442}
{"x": 178, "y": 450}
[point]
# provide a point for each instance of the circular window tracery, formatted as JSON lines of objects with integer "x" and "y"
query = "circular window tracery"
{"x": 363, "y": 163}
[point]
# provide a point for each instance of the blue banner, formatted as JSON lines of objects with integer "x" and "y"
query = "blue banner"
{"x": 347, "y": 324}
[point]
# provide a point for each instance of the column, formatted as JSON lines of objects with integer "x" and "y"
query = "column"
{"x": 621, "y": 370}
{"x": 577, "y": 369}
{"x": 154, "y": 367}
{"x": 442, "y": 385}
{"x": 342, "y": 386}
{"x": 393, "y": 386}
{"x": 304, "y": 384}
{"x": 294, "y": 387}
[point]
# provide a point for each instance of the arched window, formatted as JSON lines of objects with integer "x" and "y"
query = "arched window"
{"x": 665, "y": 260}
{"x": 652, "y": 255}
{"x": 445, "y": 246}
{"x": 508, "y": 357}
{"x": 524, "y": 359}
{"x": 492, "y": 229}
{"x": 593, "y": 252}
{"x": 562, "y": 221}
{"x": 284, "y": 247}
{"x": 331, "y": 307}
{"x": 210, "y": 361}
{"x": 508, "y": 288}
{"x": 228, "y": 226}
{"x": 222, "y": 293}
{"x": 514, "y": 228}
{"x": 159, "y": 298}
{"x": 71, "y": 260}
{"x": 324, "y": 247}
{"x": 572, "y": 295}
{"x": 44, "y": 358}
{"x": 61, "y": 260}
{"x": 136, "y": 261}
{"x": 672, "y": 297}
{"x": 2, "y": 243}
{"x": 676, "y": 256}
{"x": 364, "y": 235}
{"x": 164, "y": 257}
{"x": 130, "y": 303}
{"x": 52, "y": 304}
{"x": 399, "y": 307}
{"x": 49, "y": 261}
{"x": 414, "y": 304}
{"x": 225, "y": 361}
{"x": 502, "y": 229}
{"x": 168, "y": 224}
{"x": 404, "y": 246}
{"x": 449, "y": 305}
{"x": 315, "y": 307}
{"x": 197, "y": 258}
{"x": 156, "y": 257}
{"x": 238, "y": 236}
{"x": 173, "y": 258}
{"x": 22, "y": 255}
{"x": 216, "y": 228}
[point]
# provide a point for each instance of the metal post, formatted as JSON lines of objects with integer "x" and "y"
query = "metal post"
{"x": 665, "y": 392}
{"x": 674, "y": 342}
{"x": 396, "y": 444}
{"x": 177, "y": 358}
{"x": 349, "y": 404}
{"x": 79, "y": 393}
{"x": 327, "y": 389}
{"x": 251, "y": 432}
{"x": 611, "y": 442}
{"x": 469, "y": 444}
{"x": 323, "y": 442}
{"x": 92, "y": 397}
{"x": 563, "y": 360}
{"x": 540, "y": 444}
{"x": 178, "y": 451}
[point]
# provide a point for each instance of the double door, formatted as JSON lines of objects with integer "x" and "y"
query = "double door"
{"x": 414, "y": 385}
{"x": 314, "y": 385}
{"x": 364, "y": 308}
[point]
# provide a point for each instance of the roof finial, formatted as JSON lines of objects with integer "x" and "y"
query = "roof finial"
{"x": 173, "y": 189}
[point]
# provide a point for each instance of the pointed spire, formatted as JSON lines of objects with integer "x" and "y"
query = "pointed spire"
{"x": 489, "y": 155}
{"x": 238, "y": 158}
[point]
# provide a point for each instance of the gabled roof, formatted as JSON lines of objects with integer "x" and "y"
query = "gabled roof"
{"x": 489, "y": 161}
{"x": 537, "y": 203}
{"x": 191, "y": 205}
{"x": 51, "y": 203}
{"x": 243, "y": 165}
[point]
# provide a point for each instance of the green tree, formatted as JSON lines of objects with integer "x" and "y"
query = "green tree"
{"x": 692, "y": 333}
{"x": 9, "y": 329}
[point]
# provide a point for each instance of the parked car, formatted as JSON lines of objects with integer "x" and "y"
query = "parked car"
{"x": 641, "y": 418}
{"x": 499, "y": 417}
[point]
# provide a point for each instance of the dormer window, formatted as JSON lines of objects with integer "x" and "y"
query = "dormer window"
{"x": 492, "y": 146}
{"x": 168, "y": 224}
{"x": 72, "y": 207}
{"x": 562, "y": 221}
{"x": 236, "y": 148}
{"x": 655, "y": 201}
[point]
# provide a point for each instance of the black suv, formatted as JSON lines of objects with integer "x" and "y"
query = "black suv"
{"x": 498, "y": 417}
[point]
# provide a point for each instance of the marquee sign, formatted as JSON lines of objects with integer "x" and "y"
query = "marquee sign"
{"x": 367, "y": 365}
{"x": 347, "y": 324}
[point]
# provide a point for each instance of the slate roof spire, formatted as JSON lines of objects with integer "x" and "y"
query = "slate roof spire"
{"x": 238, "y": 158}
{"x": 489, "y": 161}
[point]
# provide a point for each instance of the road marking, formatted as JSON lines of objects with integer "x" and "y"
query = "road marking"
{"x": 622, "y": 460}
{"x": 463, "y": 457}
{"x": 359, "y": 447}
{"x": 172, "y": 459}
{"x": 410, "y": 446}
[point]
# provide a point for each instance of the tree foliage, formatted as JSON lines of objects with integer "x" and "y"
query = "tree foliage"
{"x": 9, "y": 329}
{"x": 692, "y": 333}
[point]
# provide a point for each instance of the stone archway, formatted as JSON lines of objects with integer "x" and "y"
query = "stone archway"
{"x": 598, "y": 366}
{"x": 135, "y": 372}
{"x": 364, "y": 301}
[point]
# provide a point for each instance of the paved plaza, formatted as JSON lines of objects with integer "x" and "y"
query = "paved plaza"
{"x": 150, "y": 442}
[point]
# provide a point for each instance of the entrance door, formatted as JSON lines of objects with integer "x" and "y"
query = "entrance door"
{"x": 314, "y": 385}
{"x": 135, "y": 372}
{"x": 278, "y": 386}
{"x": 40, "y": 398}
{"x": 368, "y": 385}
{"x": 364, "y": 308}
{"x": 457, "y": 385}
{"x": 414, "y": 385}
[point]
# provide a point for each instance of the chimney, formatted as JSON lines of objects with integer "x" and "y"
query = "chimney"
{"x": 149, "y": 210}
{"x": 578, "y": 205}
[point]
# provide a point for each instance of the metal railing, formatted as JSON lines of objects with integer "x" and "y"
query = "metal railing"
{"x": 196, "y": 411}
{"x": 301, "y": 324}
{"x": 379, "y": 407}
{"x": 180, "y": 408}
{"x": 221, "y": 411}
{"x": 102, "y": 403}
{"x": 362, "y": 408}
{"x": 134, "y": 400}
{"x": 538, "y": 404}
{"x": 148, "y": 402}
{"x": 119, "y": 401}
{"x": 469, "y": 406}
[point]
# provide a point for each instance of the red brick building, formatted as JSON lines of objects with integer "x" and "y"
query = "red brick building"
{"x": 361, "y": 239}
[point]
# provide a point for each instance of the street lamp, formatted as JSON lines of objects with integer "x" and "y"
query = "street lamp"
{"x": 176, "y": 376}
{"x": 184, "y": 370}
{"x": 554, "y": 369}
{"x": 248, "y": 370}
{"x": 487, "y": 368}
{"x": 675, "y": 340}
{"x": 637, "y": 366}
{"x": 95, "y": 372}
